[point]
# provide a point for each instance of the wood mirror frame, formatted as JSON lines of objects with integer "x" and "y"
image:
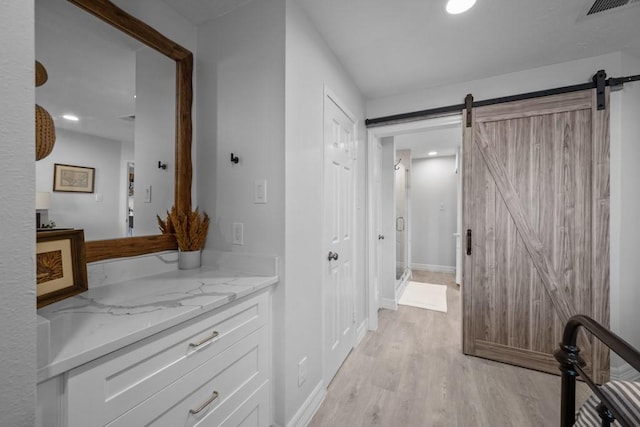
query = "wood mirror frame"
{"x": 131, "y": 246}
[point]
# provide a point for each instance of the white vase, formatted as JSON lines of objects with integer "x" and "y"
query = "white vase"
{"x": 188, "y": 259}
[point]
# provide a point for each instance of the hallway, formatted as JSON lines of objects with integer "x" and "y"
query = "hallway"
{"x": 411, "y": 372}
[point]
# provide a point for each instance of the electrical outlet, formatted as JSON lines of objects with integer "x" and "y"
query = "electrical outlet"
{"x": 302, "y": 371}
{"x": 238, "y": 233}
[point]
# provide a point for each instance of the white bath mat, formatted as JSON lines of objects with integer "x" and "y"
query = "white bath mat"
{"x": 425, "y": 295}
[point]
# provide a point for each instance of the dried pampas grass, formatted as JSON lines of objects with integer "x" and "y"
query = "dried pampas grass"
{"x": 190, "y": 229}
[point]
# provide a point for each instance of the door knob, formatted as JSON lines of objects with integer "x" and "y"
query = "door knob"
{"x": 332, "y": 256}
{"x": 380, "y": 236}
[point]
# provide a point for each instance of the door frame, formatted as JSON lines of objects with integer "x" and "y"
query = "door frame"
{"x": 328, "y": 94}
{"x": 373, "y": 136}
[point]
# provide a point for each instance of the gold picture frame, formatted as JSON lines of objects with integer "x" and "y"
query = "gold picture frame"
{"x": 73, "y": 179}
{"x": 61, "y": 267}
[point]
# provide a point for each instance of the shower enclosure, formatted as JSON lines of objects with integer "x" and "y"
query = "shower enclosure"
{"x": 402, "y": 171}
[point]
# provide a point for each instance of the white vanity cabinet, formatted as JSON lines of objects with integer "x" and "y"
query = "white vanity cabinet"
{"x": 212, "y": 370}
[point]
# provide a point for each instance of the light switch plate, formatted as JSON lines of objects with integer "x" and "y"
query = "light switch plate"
{"x": 147, "y": 194}
{"x": 260, "y": 191}
{"x": 238, "y": 234}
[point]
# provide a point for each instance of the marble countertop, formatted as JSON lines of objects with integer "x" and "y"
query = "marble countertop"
{"x": 107, "y": 318}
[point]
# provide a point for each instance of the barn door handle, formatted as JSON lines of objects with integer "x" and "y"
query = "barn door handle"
{"x": 332, "y": 256}
{"x": 469, "y": 241}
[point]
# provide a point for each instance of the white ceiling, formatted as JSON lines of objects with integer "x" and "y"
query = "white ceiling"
{"x": 199, "y": 11}
{"x": 392, "y": 47}
{"x": 444, "y": 140}
{"x": 395, "y": 46}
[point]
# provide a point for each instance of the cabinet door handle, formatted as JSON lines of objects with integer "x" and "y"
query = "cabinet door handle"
{"x": 213, "y": 397}
{"x": 204, "y": 340}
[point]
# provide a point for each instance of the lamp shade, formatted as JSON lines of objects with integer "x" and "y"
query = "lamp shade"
{"x": 43, "y": 200}
{"x": 45, "y": 133}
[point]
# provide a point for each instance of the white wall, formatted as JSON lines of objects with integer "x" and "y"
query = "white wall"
{"x": 434, "y": 182}
{"x": 240, "y": 64}
{"x": 389, "y": 253}
{"x": 17, "y": 209}
{"x": 100, "y": 220}
{"x": 567, "y": 73}
{"x": 309, "y": 66}
{"x": 627, "y": 318}
{"x": 624, "y": 155}
{"x": 163, "y": 18}
{"x": 155, "y": 135}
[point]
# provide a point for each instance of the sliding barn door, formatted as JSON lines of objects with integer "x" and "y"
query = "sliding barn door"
{"x": 536, "y": 196}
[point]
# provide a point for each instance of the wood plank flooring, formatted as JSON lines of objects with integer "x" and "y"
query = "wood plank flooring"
{"x": 411, "y": 372}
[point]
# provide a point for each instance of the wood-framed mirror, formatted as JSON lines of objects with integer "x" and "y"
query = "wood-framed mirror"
{"x": 111, "y": 14}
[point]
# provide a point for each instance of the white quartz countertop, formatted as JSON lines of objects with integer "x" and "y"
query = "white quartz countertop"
{"x": 107, "y": 318}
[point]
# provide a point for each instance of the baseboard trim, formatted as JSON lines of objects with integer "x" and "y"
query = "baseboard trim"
{"x": 309, "y": 407}
{"x": 361, "y": 331}
{"x": 389, "y": 304}
{"x": 624, "y": 372}
{"x": 400, "y": 289}
{"x": 433, "y": 268}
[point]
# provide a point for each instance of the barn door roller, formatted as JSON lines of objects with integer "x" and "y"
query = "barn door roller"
{"x": 600, "y": 80}
{"x": 468, "y": 105}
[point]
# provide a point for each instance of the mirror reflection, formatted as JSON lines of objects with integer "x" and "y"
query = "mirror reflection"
{"x": 113, "y": 103}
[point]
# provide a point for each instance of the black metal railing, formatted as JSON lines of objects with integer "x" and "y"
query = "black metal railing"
{"x": 571, "y": 365}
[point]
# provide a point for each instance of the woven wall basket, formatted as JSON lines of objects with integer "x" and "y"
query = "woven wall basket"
{"x": 45, "y": 133}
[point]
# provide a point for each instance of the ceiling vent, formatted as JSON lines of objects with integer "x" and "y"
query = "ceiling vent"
{"x": 604, "y": 5}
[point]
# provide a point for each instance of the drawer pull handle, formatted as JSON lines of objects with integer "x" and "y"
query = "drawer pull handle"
{"x": 204, "y": 340}
{"x": 213, "y": 397}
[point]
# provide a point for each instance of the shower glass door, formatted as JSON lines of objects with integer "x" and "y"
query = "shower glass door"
{"x": 401, "y": 195}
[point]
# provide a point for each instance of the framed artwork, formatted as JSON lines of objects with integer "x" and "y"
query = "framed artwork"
{"x": 74, "y": 179}
{"x": 61, "y": 267}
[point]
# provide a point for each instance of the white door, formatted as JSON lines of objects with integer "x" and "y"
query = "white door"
{"x": 338, "y": 287}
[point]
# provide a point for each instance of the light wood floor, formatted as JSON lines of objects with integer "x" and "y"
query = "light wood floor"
{"x": 411, "y": 372}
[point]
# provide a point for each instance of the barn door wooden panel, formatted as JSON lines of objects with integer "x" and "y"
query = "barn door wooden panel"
{"x": 536, "y": 196}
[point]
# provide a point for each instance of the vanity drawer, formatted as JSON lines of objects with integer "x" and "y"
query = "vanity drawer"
{"x": 223, "y": 388}
{"x": 254, "y": 412}
{"x": 119, "y": 381}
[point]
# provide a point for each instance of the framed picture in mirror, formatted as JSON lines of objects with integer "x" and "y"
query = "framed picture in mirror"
{"x": 61, "y": 267}
{"x": 74, "y": 179}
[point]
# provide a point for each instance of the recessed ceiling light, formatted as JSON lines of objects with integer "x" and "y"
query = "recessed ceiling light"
{"x": 432, "y": 153}
{"x": 70, "y": 117}
{"x": 458, "y": 6}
